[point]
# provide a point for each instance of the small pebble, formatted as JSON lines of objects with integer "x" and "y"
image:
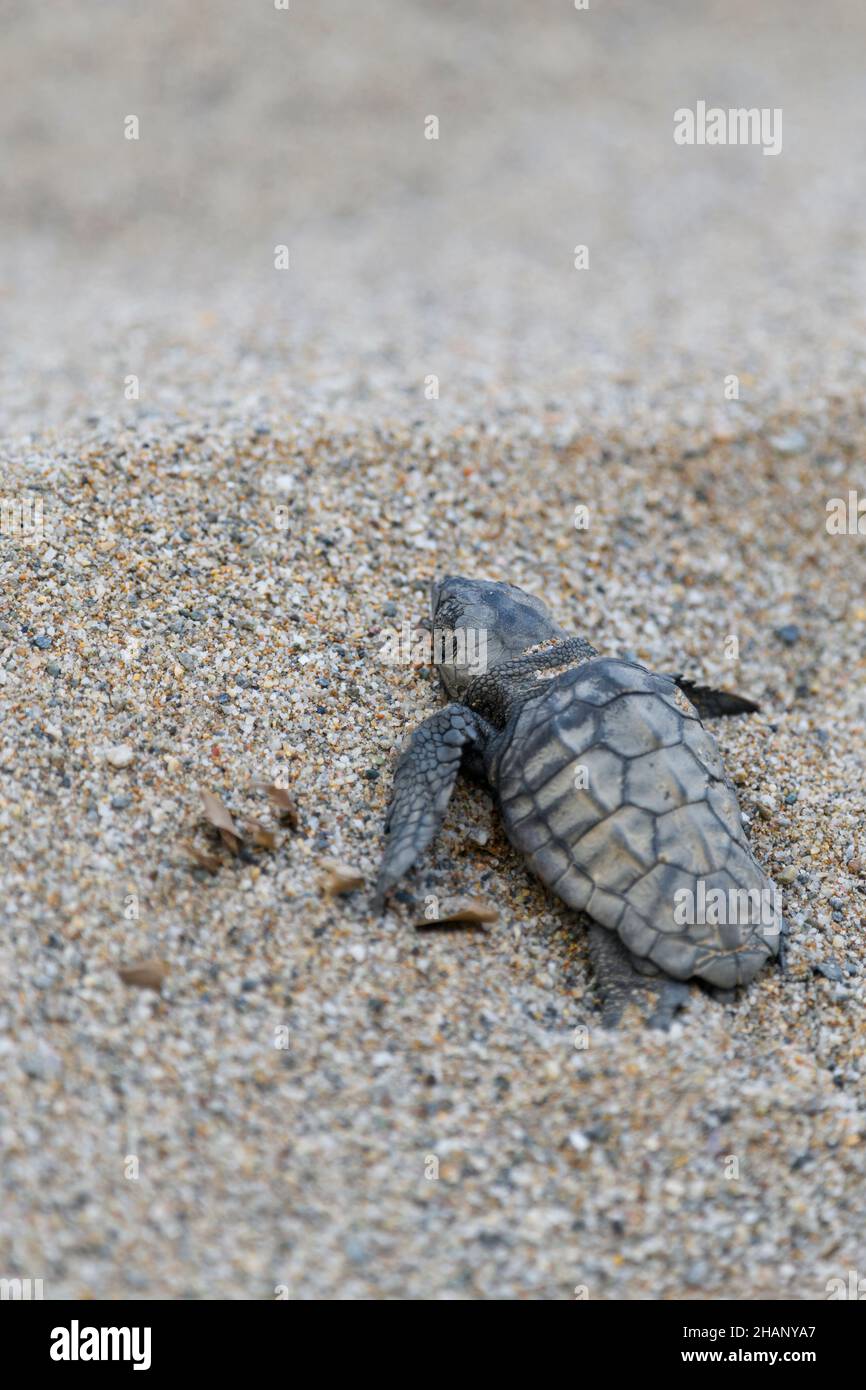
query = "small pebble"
{"x": 828, "y": 969}
{"x": 791, "y": 442}
{"x": 120, "y": 755}
{"x": 42, "y": 1065}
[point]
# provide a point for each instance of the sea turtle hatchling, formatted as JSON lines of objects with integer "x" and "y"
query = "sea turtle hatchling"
{"x": 607, "y": 782}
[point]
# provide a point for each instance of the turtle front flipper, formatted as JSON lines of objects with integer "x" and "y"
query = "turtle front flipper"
{"x": 423, "y": 782}
{"x": 715, "y": 704}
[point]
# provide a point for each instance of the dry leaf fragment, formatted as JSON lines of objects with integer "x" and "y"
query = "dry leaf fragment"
{"x": 260, "y": 835}
{"x": 473, "y": 912}
{"x": 282, "y": 805}
{"x": 145, "y": 974}
{"x": 201, "y": 856}
{"x": 219, "y": 816}
{"x": 340, "y": 878}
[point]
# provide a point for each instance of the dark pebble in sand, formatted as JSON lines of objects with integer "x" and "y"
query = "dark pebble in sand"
{"x": 828, "y": 969}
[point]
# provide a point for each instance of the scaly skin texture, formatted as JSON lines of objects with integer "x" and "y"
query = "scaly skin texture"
{"x": 423, "y": 782}
{"x": 655, "y": 815}
{"x": 607, "y": 782}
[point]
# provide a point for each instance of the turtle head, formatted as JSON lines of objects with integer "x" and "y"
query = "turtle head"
{"x": 477, "y": 624}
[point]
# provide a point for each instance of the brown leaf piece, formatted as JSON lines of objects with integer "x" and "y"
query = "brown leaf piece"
{"x": 201, "y": 856}
{"x": 145, "y": 974}
{"x": 340, "y": 878}
{"x": 219, "y": 816}
{"x": 282, "y": 805}
{"x": 470, "y": 912}
{"x": 260, "y": 835}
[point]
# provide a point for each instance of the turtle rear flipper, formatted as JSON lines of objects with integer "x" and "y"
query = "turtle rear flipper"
{"x": 623, "y": 979}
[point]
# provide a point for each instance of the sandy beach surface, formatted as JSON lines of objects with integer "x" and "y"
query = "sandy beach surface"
{"x": 224, "y": 482}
